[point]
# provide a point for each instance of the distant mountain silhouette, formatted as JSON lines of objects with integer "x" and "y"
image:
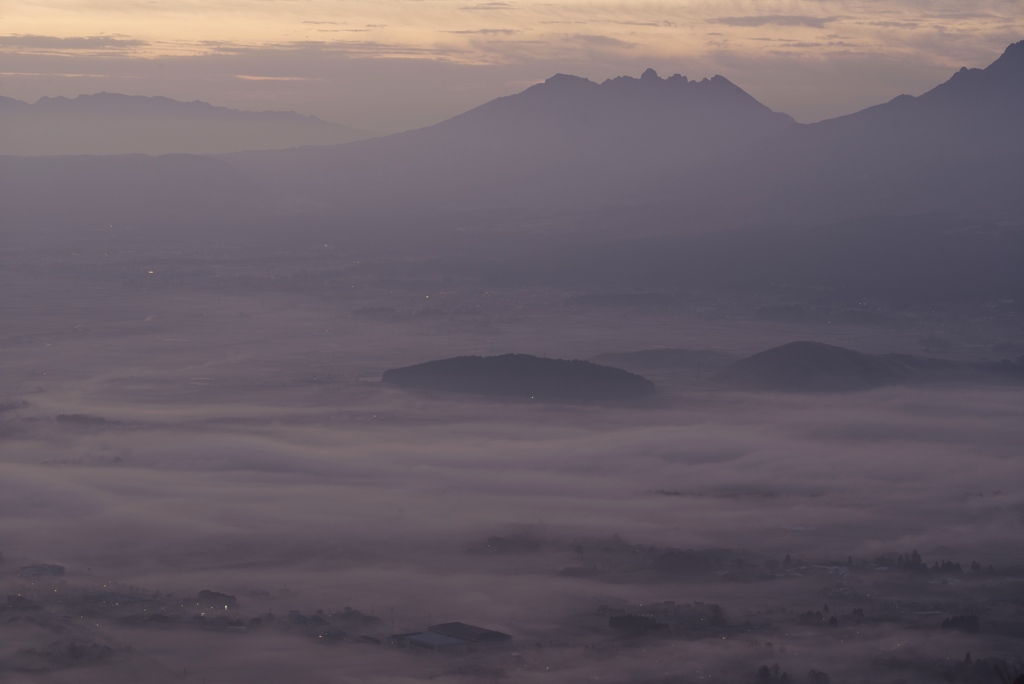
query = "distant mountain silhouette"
{"x": 564, "y": 143}
{"x": 958, "y": 148}
{"x": 522, "y": 376}
{"x": 110, "y": 123}
{"x": 624, "y": 158}
{"x": 818, "y": 367}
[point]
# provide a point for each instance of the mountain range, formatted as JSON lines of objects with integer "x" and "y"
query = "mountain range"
{"x": 631, "y": 155}
{"x": 699, "y": 151}
{"x": 110, "y": 123}
{"x": 957, "y": 148}
{"x": 565, "y": 143}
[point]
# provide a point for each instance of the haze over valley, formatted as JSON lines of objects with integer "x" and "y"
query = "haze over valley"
{"x": 629, "y": 380}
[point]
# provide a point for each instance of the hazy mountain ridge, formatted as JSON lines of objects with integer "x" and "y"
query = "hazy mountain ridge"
{"x": 817, "y": 367}
{"x": 957, "y": 148}
{"x": 564, "y": 143}
{"x": 112, "y": 123}
{"x": 670, "y": 155}
{"x": 690, "y": 153}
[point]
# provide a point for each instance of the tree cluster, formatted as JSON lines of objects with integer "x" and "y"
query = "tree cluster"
{"x": 635, "y": 624}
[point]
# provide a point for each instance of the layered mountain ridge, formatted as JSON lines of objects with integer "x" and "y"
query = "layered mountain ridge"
{"x": 668, "y": 155}
{"x": 112, "y": 123}
{"x": 562, "y": 144}
{"x": 958, "y": 149}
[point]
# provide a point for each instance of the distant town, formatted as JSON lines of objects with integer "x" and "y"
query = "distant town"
{"x": 81, "y": 621}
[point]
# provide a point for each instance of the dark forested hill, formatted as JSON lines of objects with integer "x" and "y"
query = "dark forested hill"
{"x": 817, "y": 367}
{"x": 522, "y": 376}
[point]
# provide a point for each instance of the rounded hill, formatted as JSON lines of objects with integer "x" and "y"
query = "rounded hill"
{"x": 811, "y": 366}
{"x": 522, "y": 376}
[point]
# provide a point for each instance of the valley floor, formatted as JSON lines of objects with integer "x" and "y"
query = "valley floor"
{"x": 173, "y": 423}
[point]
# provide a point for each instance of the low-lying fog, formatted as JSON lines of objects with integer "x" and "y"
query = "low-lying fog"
{"x": 181, "y": 441}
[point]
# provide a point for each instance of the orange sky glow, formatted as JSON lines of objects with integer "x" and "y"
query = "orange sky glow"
{"x": 791, "y": 54}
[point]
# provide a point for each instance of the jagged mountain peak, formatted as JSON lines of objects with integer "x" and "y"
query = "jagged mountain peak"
{"x": 649, "y": 80}
{"x": 649, "y": 92}
{"x": 625, "y": 108}
{"x": 1002, "y": 79}
{"x": 1012, "y": 57}
{"x": 567, "y": 79}
{"x": 565, "y": 142}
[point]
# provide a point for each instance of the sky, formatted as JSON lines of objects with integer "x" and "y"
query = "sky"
{"x": 391, "y": 65}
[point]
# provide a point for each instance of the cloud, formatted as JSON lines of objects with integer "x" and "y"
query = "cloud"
{"x": 362, "y": 48}
{"x": 600, "y": 40}
{"x": 51, "y": 74}
{"x": 774, "y": 20}
{"x": 486, "y": 32}
{"x": 490, "y": 6}
{"x": 657, "y": 24}
{"x": 250, "y": 77}
{"x": 73, "y": 43}
{"x": 894, "y": 24}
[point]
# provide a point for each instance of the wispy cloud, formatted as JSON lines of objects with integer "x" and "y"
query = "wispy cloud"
{"x": 364, "y": 48}
{"x": 894, "y": 24}
{"x": 600, "y": 40}
{"x": 51, "y": 74}
{"x": 656, "y": 24}
{"x": 251, "y": 77}
{"x": 489, "y": 6}
{"x": 774, "y": 20}
{"x": 486, "y": 32}
{"x": 73, "y": 43}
